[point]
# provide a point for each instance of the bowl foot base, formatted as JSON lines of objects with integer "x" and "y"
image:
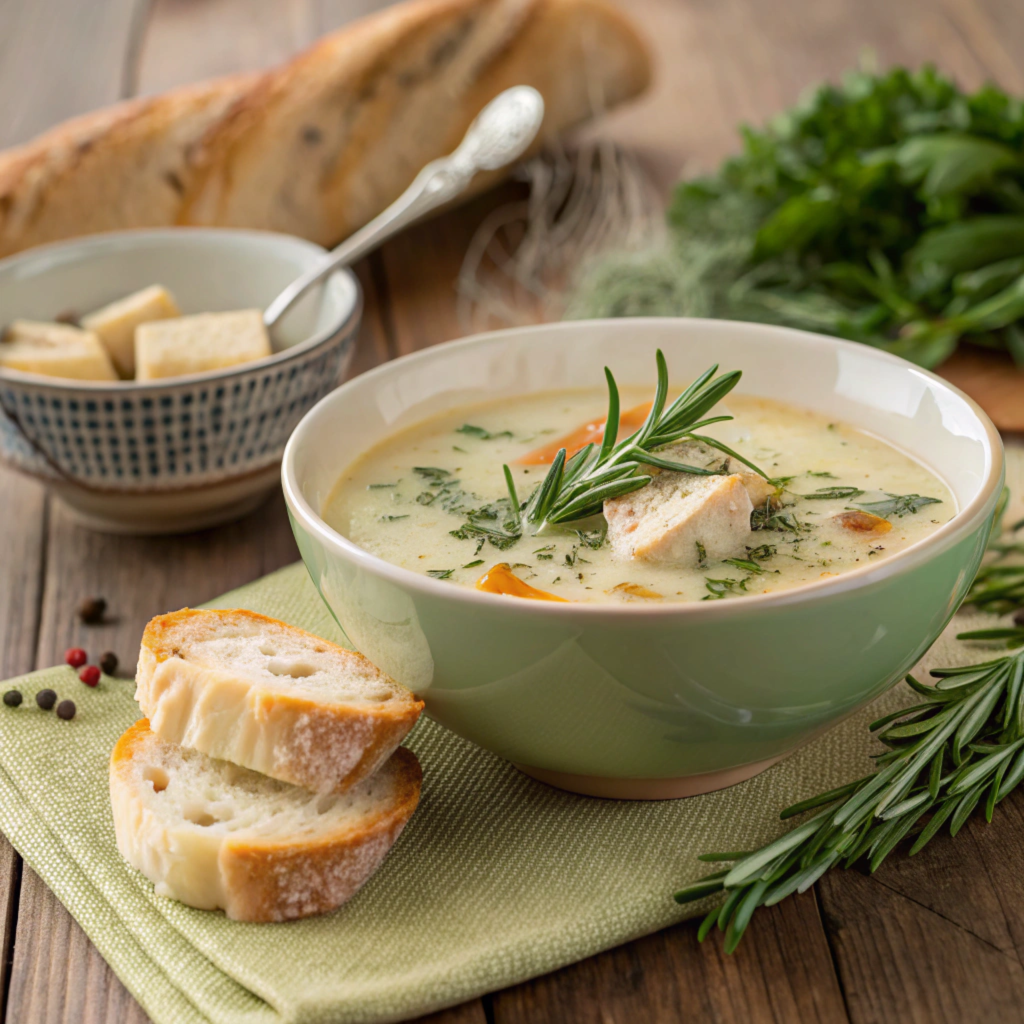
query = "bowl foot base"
{"x": 156, "y": 513}
{"x": 648, "y": 789}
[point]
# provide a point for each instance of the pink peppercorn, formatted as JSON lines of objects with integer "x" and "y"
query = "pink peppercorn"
{"x": 90, "y": 675}
{"x": 75, "y": 657}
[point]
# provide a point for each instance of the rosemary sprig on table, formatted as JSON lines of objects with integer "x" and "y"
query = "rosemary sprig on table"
{"x": 999, "y": 585}
{"x": 963, "y": 745}
{"x": 576, "y": 488}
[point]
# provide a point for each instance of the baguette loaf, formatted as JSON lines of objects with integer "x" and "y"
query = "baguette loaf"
{"x": 214, "y": 835}
{"x": 248, "y": 689}
{"x": 322, "y": 144}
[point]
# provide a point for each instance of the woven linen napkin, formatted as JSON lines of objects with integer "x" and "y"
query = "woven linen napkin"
{"x": 496, "y": 879}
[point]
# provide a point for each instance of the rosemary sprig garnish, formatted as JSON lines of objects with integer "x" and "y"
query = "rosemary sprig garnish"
{"x": 827, "y": 493}
{"x": 576, "y": 488}
{"x": 962, "y": 746}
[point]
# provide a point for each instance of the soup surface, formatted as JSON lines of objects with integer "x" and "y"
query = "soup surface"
{"x": 433, "y": 499}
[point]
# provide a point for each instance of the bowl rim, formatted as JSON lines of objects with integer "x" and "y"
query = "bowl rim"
{"x": 109, "y": 239}
{"x": 946, "y": 536}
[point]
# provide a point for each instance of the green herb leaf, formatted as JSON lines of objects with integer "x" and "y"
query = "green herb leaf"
{"x": 826, "y": 493}
{"x": 764, "y": 517}
{"x": 440, "y": 574}
{"x": 886, "y": 209}
{"x": 432, "y": 473}
{"x": 897, "y": 505}
{"x": 484, "y": 435}
{"x": 745, "y": 564}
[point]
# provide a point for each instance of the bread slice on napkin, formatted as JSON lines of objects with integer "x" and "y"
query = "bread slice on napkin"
{"x": 270, "y": 697}
{"x": 214, "y": 835}
{"x": 321, "y": 144}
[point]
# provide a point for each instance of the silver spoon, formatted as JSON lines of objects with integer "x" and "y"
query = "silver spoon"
{"x": 499, "y": 134}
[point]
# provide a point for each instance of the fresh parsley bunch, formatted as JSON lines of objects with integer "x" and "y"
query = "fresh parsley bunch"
{"x": 888, "y": 210}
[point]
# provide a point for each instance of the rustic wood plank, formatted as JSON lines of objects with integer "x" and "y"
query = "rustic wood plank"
{"x": 23, "y": 507}
{"x": 71, "y": 985}
{"x": 467, "y": 1013}
{"x": 997, "y": 848}
{"x": 59, "y": 58}
{"x": 900, "y": 961}
{"x": 189, "y": 40}
{"x": 421, "y": 266}
{"x": 935, "y": 937}
{"x": 782, "y": 973}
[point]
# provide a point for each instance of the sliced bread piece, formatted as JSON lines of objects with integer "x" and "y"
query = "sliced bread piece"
{"x": 200, "y": 343}
{"x": 273, "y": 698}
{"x": 55, "y": 350}
{"x": 115, "y": 324}
{"x": 214, "y": 835}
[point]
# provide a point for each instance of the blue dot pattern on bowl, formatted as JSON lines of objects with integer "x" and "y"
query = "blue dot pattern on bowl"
{"x": 182, "y": 434}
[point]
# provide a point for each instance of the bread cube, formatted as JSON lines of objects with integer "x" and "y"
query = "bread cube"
{"x": 198, "y": 344}
{"x": 666, "y": 520}
{"x": 115, "y": 324}
{"x": 55, "y": 350}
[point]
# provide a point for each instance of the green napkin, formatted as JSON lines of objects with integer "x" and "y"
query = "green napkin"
{"x": 496, "y": 879}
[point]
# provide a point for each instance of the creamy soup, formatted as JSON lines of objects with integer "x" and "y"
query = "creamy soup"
{"x": 433, "y": 499}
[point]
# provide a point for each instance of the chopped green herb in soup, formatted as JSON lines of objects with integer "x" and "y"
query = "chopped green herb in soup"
{"x": 686, "y": 506}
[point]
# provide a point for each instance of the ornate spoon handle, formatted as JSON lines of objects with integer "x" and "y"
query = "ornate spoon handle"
{"x": 499, "y": 134}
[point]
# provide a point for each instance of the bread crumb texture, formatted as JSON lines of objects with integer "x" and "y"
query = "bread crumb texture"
{"x": 215, "y": 835}
{"x": 258, "y": 692}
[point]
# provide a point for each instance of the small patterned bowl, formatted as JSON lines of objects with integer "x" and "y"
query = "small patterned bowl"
{"x": 188, "y": 452}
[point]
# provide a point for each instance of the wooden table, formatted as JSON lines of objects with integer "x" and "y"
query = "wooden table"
{"x": 938, "y": 937}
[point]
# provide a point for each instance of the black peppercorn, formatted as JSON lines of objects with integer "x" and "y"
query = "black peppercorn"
{"x": 12, "y": 698}
{"x": 91, "y": 610}
{"x": 66, "y": 710}
{"x": 108, "y": 662}
{"x": 46, "y": 699}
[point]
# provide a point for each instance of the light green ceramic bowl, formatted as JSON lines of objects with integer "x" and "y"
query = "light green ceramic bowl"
{"x": 635, "y": 701}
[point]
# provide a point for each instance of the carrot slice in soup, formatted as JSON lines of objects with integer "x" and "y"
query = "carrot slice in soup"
{"x": 863, "y": 522}
{"x": 630, "y": 422}
{"x": 500, "y": 579}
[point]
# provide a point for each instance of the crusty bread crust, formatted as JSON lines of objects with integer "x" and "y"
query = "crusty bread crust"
{"x": 314, "y": 743}
{"x": 323, "y": 143}
{"x": 253, "y": 880}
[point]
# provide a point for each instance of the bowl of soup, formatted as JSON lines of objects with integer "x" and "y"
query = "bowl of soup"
{"x": 666, "y": 613}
